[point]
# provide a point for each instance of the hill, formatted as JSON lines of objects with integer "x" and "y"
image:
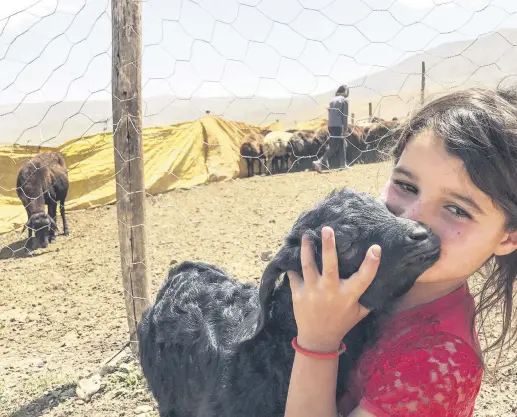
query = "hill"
{"x": 479, "y": 62}
{"x": 393, "y": 92}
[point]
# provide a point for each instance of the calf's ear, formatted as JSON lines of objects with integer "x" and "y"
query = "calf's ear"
{"x": 251, "y": 326}
{"x": 345, "y": 239}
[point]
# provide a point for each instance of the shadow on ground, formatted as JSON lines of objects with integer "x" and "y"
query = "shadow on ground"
{"x": 16, "y": 250}
{"x": 46, "y": 402}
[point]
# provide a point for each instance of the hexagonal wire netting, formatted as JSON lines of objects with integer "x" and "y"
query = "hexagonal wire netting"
{"x": 216, "y": 76}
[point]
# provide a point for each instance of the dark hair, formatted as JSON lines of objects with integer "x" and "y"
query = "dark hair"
{"x": 342, "y": 91}
{"x": 480, "y": 127}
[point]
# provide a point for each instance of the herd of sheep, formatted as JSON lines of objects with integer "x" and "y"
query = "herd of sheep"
{"x": 278, "y": 151}
{"x": 43, "y": 180}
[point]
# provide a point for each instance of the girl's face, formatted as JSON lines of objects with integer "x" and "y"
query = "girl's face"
{"x": 431, "y": 186}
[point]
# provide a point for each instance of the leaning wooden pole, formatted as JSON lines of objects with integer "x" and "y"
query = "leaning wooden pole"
{"x": 129, "y": 167}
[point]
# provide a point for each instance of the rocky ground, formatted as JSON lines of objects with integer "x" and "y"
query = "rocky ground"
{"x": 62, "y": 309}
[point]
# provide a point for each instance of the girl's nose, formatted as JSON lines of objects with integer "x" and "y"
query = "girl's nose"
{"x": 413, "y": 212}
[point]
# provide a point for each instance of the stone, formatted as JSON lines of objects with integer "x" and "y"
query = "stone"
{"x": 143, "y": 409}
{"x": 88, "y": 386}
{"x": 266, "y": 256}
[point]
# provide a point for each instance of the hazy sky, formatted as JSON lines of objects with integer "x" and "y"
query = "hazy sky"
{"x": 61, "y": 49}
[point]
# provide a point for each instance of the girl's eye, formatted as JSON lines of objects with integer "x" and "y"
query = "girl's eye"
{"x": 404, "y": 186}
{"x": 459, "y": 212}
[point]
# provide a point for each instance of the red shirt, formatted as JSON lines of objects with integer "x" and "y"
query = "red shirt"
{"x": 425, "y": 363}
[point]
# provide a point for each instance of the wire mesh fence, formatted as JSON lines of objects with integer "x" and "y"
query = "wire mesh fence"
{"x": 211, "y": 90}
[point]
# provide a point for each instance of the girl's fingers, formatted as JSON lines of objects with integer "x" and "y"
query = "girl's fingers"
{"x": 309, "y": 268}
{"x": 295, "y": 280}
{"x": 329, "y": 257}
{"x": 363, "y": 312}
{"x": 358, "y": 282}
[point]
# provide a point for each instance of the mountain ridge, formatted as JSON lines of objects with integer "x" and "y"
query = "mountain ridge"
{"x": 393, "y": 91}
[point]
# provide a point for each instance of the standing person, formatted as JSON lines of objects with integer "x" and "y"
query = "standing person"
{"x": 337, "y": 125}
{"x": 455, "y": 170}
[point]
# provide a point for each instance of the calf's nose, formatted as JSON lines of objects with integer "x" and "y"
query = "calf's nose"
{"x": 419, "y": 233}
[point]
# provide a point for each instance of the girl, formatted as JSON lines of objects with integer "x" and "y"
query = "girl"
{"x": 455, "y": 170}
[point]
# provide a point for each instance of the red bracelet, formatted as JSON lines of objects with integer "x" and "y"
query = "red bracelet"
{"x": 317, "y": 355}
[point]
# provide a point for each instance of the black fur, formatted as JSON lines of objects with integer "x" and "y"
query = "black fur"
{"x": 213, "y": 346}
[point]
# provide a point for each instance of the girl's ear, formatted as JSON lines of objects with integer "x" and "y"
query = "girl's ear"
{"x": 508, "y": 244}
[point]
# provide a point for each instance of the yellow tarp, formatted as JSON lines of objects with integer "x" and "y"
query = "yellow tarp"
{"x": 273, "y": 126}
{"x": 311, "y": 124}
{"x": 178, "y": 156}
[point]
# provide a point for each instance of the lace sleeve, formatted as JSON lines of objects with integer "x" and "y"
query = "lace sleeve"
{"x": 439, "y": 375}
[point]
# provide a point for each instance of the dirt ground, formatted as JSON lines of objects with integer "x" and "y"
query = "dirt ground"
{"x": 62, "y": 309}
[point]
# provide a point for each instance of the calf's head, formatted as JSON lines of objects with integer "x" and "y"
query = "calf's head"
{"x": 359, "y": 221}
{"x": 44, "y": 228}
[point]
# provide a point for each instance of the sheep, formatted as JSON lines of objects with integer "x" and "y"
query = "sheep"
{"x": 355, "y": 143}
{"x": 43, "y": 180}
{"x": 309, "y": 143}
{"x": 380, "y": 137}
{"x": 316, "y": 142}
{"x": 276, "y": 146}
{"x": 213, "y": 346}
{"x": 298, "y": 144}
{"x": 251, "y": 149}
{"x": 369, "y": 142}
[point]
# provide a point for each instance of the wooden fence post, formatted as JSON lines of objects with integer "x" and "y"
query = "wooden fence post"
{"x": 370, "y": 112}
{"x": 129, "y": 166}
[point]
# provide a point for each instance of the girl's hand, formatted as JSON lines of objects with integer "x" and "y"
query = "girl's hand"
{"x": 325, "y": 306}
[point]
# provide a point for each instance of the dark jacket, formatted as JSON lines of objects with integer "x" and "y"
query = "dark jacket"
{"x": 338, "y": 112}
